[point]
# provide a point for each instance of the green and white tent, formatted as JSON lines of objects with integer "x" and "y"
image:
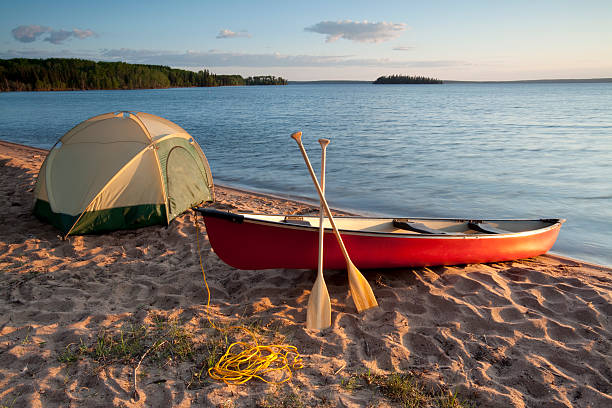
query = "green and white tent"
{"x": 121, "y": 170}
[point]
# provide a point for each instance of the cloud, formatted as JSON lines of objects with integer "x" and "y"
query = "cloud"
{"x": 58, "y": 36}
{"x": 58, "y": 53}
{"x": 219, "y": 59}
{"x": 131, "y": 55}
{"x": 358, "y": 31}
{"x": 232, "y": 34}
{"x": 30, "y": 33}
{"x": 403, "y": 48}
{"x": 82, "y": 34}
{"x": 215, "y": 58}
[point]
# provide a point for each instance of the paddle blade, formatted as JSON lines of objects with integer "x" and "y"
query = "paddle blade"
{"x": 360, "y": 289}
{"x": 318, "y": 314}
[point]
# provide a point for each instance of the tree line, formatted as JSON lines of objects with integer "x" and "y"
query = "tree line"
{"x": 406, "y": 79}
{"x": 60, "y": 74}
{"x": 266, "y": 80}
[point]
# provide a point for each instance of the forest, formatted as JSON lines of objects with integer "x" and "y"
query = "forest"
{"x": 407, "y": 79}
{"x": 62, "y": 74}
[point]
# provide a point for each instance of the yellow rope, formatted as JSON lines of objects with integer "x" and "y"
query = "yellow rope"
{"x": 244, "y": 361}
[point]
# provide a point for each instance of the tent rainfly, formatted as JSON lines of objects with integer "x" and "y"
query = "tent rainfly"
{"x": 121, "y": 170}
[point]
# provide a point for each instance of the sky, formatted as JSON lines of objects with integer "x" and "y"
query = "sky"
{"x": 323, "y": 40}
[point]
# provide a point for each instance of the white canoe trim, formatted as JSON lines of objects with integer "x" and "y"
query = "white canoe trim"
{"x": 383, "y": 227}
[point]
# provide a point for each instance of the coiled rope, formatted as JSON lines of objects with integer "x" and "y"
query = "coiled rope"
{"x": 244, "y": 361}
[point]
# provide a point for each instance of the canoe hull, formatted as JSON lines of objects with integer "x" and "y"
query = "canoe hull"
{"x": 258, "y": 245}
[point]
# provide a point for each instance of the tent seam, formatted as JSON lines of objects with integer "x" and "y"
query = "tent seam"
{"x": 91, "y": 122}
{"x": 153, "y": 145}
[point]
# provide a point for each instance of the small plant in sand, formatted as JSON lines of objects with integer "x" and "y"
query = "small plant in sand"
{"x": 451, "y": 400}
{"x": 274, "y": 330}
{"x": 124, "y": 346}
{"x": 27, "y": 340}
{"x": 281, "y": 399}
{"x": 211, "y": 350}
{"x": 72, "y": 353}
{"x": 179, "y": 344}
{"x": 404, "y": 389}
{"x": 227, "y": 404}
{"x": 351, "y": 383}
{"x": 9, "y": 405}
{"x": 166, "y": 340}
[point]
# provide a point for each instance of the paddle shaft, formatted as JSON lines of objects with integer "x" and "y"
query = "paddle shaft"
{"x": 298, "y": 138}
{"x": 323, "y": 143}
{"x": 360, "y": 289}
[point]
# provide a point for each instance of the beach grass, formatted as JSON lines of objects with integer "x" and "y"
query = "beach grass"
{"x": 282, "y": 399}
{"x": 404, "y": 389}
{"x": 9, "y": 404}
{"x": 166, "y": 340}
{"x": 210, "y": 352}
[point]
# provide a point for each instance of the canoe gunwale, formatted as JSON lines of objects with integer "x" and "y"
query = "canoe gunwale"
{"x": 224, "y": 215}
{"x": 255, "y": 242}
{"x": 247, "y": 217}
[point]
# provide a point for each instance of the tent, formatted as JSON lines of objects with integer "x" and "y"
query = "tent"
{"x": 121, "y": 170}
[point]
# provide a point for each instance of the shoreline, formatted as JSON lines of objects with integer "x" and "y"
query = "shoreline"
{"x": 550, "y": 254}
{"x": 346, "y": 82}
{"x": 77, "y": 316}
{"x": 303, "y": 201}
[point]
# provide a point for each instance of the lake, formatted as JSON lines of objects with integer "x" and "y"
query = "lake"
{"x": 513, "y": 150}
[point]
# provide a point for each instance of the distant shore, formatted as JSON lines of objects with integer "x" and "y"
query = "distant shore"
{"x": 69, "y": 74}
{"x": 449, "y": 81}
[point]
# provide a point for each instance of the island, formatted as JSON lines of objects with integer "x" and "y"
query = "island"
{"x": 406, "y": 79}
{"x": 71, "y": 74}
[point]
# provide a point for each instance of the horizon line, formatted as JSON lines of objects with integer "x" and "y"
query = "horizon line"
{"x": 550, "y": 80}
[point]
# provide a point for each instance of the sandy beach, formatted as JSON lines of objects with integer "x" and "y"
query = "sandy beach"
{"x": 76, "y": 317}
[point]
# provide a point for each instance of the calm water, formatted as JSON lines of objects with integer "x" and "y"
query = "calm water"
{"x": 454, "y": 150}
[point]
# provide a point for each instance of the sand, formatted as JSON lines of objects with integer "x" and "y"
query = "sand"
{"x": 529, "y": 333}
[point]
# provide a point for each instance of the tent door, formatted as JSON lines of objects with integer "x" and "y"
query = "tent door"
{"x": 186, "y": 185}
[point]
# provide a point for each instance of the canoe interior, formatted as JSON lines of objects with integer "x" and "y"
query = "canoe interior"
{"x": 387, "y": 226}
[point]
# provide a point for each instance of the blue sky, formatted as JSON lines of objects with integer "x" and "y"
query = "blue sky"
{"x": 314, "y": 40}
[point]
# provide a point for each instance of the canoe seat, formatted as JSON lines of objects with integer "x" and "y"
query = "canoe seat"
{"x": 417, "y": 227}
{"x": 296, "y": 220}
{"x": 486, "y": 228}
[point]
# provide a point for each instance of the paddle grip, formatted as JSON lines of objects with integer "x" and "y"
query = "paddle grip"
{"x": 297, "y": 136}
{"x": 323, "y": 142}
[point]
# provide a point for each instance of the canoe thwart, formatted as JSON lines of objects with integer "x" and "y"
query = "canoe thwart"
{"x": 408, "y": 225}
{"x": 486, "y": 228}
{"x": 296, "y": 220}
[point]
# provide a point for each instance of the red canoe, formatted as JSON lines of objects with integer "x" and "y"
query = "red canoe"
{"x": 253, "y": 241}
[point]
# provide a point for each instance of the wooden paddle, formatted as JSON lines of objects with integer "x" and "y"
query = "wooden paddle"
{"x": 360, "y": 289}
{"x": 318, "y": 314}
